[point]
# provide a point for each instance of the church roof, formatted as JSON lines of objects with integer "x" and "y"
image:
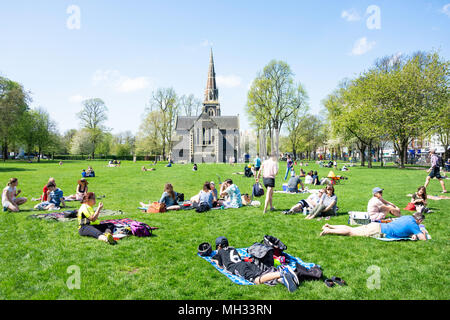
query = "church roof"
{"x": 223, "y": 122}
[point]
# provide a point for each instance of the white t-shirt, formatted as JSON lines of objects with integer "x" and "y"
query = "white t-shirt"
{"x": 308, "y": 179}
{"x": 11, "y": 191}
{"x": 270, "y": 168}
{"x": 374, "y": 209}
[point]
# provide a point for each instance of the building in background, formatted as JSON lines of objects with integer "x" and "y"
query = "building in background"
{"x": 209, "y": 137}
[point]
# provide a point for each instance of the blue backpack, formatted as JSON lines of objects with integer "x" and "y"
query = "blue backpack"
{"x": 258, "y": 190}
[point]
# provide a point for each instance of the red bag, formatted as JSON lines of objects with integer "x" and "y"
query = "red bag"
{"x": 156, "y": 207}
{"x": 410, "y": 207}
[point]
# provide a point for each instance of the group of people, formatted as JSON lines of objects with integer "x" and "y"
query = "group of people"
{"x": 89, "y": 173}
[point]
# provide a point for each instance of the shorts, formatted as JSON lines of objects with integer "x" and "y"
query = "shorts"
{"x": 435, "y": 173}
{"x": 257, "y": 168}
{"x": 369, "y": 230}
{"x": 269, "y": 182}
{"x": 304, "y": 203}
{"x": 248, "y": 270}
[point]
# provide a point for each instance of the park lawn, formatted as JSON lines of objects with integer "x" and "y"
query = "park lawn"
{"x": 35, "y": 254}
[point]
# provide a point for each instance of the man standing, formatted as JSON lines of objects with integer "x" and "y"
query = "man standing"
{"x": 434, "y": 171}
{"x": 269, "y": 170}
{"x": 378, "y": 207}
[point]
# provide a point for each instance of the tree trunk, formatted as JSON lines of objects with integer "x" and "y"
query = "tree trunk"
{"x": 369, "y": 161}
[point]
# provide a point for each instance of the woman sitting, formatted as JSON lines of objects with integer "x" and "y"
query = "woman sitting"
{"x": 326, "y": 206}
{"x": 309, "y": 178}
{"x": 88, "y": 224}
{"x": 204, "y": 196}
{"x": 9, "y": 196}
{"x": 169, "y": 198}
{"x": 418, "y": 199}
{"x": 82, "y": 189}
{"x": 310, "y": 203}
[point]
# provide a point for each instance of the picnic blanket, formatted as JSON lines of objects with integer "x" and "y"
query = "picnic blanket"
{"x": 121, "y": 224}
{"x": 244, "y": 254}
{"x": 59, "y": 216}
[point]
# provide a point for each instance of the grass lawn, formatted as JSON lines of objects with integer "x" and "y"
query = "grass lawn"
{"x": 35, "y": 254}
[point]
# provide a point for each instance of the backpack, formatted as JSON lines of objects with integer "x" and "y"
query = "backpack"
{"x": 248, "y": 172}
{"x": 70, "y": 214}
{"x": 275, "y": 243}
{"x": 314, "y": 273}
{"x": 258, "y": 191}
{"x": 203, "y": 207}
{"x": 262, "y": 255}
{"x": 140, "y": 229}
{"x": 156, "y": 207}
{"x": 180, "y": 197}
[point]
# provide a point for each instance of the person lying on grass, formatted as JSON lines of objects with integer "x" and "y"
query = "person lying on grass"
{"x": 378, "y": 208}
{"x": 327, "y": 205}
{"x": 403, "y": 227}
{"x": 55, "y": 199}
{"x": 9, "y": 196}
{"x": 88, "y": 224}
{"x": 82, "y": 189}
{"x": 311, "y": 202}
{"x": 229, "y": 259}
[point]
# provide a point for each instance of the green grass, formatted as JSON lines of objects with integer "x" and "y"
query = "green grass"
{"x": 35, "y": 254}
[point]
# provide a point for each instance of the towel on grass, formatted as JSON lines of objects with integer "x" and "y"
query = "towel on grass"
{"x": 244, "y": 254}
{"x": 62, "y": 216}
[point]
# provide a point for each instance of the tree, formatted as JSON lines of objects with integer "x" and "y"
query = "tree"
{"x": 92, "y": 116}
{"x": 14, "y": 101}
{"x": 273, "y": 98}
{"x": 164, "y": 100}
{"x": 148, "y": 139}
{"x": 189, "y": 105}
{"x": 82, "y": 143}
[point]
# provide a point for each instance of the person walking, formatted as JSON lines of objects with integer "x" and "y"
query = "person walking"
{"x": 434, "y": 171}
{"x": 269, "y": 170}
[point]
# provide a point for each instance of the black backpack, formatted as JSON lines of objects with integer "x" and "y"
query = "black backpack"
{"x": 257, "y": 191}
{"x": 262, "y": 255}
{"x": 273, "y": 242}
{"x": 314, "y": 273}
{"x": 203, "y": 207}
{"x": 180, "y": 197}
{"x": 248, "y": 172}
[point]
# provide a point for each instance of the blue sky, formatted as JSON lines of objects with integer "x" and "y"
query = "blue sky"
{"x": 123, "y": 50}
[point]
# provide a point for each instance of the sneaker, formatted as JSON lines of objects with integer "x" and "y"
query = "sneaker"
{"x": 110, "y": 238}
{"x": 294, "y": 274}
{"x": 5, "y": 209}
{"x": 288, "y": 280}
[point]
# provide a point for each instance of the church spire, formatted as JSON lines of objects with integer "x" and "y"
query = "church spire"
{"x": 211, "y": 92}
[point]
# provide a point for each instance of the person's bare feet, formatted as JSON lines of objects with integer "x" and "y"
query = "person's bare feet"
{"x": 324, "y": 232}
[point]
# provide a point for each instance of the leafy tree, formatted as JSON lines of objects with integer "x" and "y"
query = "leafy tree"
{"x": 92, "y": 116}
{"x": 14, "y": 101}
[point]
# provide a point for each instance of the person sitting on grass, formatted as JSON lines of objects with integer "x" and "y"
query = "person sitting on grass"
{"x": 403, "y": 227}
{"x": 212, "y": 185}
{"x": 9, "y": 196}
{"x": 327, "y": 205}
{"x": 315, "y": 177}
{"x": 229, "y": 259}
{"x": 45, "y": 192}
{"x": 293, "y": 183}
{"x": 169, "y": 198}
{"x": 195, "y": 168}
{"x": 311, "y": 202}
{"x": 82, "y": 189}
{"x": 204, "y": 196}
{"x": 88, "y": 224}
{"x": 378, "y": 208}
{"x": 55, "y": 199}
{"x": 234, "y": 194}
{"x": 418, "y": 200}
{"x": 90, "y": 172}
{"x": 309, "y": 178}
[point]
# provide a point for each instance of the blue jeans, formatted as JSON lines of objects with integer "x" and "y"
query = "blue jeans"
{"x": 288, "y": 169}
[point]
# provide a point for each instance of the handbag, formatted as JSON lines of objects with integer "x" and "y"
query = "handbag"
{"x": 156, "y": 207}
{"x": 410, "y": 207}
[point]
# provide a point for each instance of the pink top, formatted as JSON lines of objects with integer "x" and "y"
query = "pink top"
{"x": 374, "y": 209}
{"x": 270, "y": 168}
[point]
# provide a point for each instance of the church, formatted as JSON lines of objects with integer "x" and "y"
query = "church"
{"x": 209, "y": 137}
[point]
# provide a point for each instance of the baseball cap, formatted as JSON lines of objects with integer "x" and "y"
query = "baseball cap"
{"x": 376, "y": 190}
{"x": 212, "y": 182}
{"x": 221, "y": 241}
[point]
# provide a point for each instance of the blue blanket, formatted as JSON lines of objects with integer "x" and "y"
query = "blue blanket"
{"x": 244, "y": 254}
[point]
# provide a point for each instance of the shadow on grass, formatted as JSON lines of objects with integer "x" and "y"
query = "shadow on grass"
{"x": 7, "y": 169}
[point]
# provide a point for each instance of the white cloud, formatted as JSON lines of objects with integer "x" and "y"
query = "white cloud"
{"x": 362, "y": 46}
{"x": 230, "y": 81}
{"x": 350, "y": 15}
{"x": 446, "y": 9}
{"x": 120, "y": 83}
{"x": 76, "y": 98}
